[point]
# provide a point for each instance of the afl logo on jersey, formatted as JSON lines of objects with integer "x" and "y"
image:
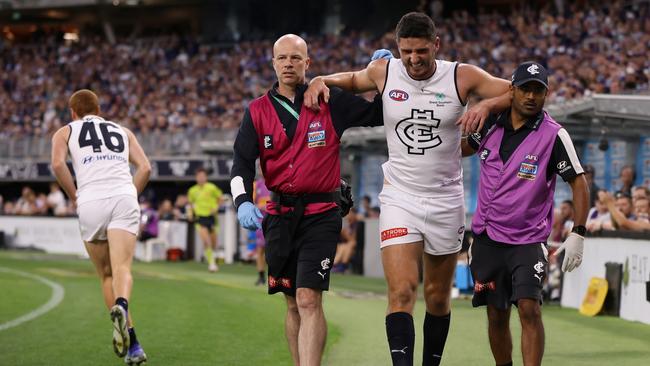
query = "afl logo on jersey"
{"x": 398, "y": 95}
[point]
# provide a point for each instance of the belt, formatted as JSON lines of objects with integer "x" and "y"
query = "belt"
{"x": 291, "y": 200}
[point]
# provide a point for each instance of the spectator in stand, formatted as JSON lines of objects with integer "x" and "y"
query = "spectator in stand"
{"x": 639, "y": 192}
{"x": 365, "y": 206}
{"x": 167, "y": 83}
{"x": 8, "y": 208}
{"x": 166, "y": 210}
{"x": 627, "y": 178}
{"x": 620, "y": 208}
{"x": 562, "y": 222}
{"x": 26, "y": 204}
{"x": 347, "y": 243}
{"x": 148, "y": 221}
{"x": 598, "y": 215}
{"x": 56, "y": 203}
{"x": 181, "y": 207}
{"x": 590, "y": 173}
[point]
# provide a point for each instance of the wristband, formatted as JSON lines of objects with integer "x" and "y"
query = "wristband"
{"x": 579, "y": 229}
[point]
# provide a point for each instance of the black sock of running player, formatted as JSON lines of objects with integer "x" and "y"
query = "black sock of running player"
{"x": 401, "y": 338}
{"x": 506, "y": 364}
{"x": 132, "y": 337}
{"x": 261, "y": 273}
{"x": 436, "y": 329}
{"x": 122, "y": 302}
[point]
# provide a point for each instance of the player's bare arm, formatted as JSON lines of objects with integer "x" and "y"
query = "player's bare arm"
{"x": 59, "y": 166}
{"x": 138, "y": 158}
{"x": 494, "y": 91}
{"x": 371, "y": 78}
{"x": 580, "y": 189}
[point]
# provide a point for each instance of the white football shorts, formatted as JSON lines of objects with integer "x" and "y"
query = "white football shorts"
{"x": 117, "y": 212}
{"x": 437, "y": 221}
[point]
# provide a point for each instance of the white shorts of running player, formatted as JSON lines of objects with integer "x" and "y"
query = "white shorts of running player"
{"x": 437, "y": 221}
{"x": 117, "y": 212}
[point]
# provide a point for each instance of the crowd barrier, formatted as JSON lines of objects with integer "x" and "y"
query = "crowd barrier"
{"x": 60, "y": 235}
{"x": 633, "y": 254}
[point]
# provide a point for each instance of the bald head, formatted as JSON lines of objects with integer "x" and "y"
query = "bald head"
{"x": 290, "y": 41}
{"x": 290, "y": 60}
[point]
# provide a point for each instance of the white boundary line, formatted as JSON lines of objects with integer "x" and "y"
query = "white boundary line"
{"x": 56, "y": 298}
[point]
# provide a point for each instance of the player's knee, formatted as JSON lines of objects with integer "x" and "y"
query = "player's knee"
{"x": 105, "y": 271}
{"x": 529, "y": 312}
{"x": 498, "y": 319}
{"x": 403, "y": 296}
{"x": 308, "y": 300}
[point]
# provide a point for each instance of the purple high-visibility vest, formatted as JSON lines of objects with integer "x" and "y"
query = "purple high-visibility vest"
{"x": 515, "y": 199}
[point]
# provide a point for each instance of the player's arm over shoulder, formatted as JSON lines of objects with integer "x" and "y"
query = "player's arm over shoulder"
{"x": 474, "y": 80}
{"x": 371, "y": 78}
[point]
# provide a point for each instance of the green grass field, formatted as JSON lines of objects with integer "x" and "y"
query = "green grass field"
{"x": 186, "y": 316}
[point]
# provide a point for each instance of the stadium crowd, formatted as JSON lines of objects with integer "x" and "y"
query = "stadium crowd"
{"x": 176, "y": 83}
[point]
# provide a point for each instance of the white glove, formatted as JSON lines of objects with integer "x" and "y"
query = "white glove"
{"x": 573, "y": 247}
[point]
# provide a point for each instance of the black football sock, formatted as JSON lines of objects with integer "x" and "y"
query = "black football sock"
{"x": 122, "y": 302}
{"x": 401, "y": 338}
{"x": 436, "y": 329}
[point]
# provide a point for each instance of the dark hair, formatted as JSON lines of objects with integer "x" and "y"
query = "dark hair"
{"x": 416, "y": 25}
{"x": 201, "y": 170}
{"x": 568, "y": 202}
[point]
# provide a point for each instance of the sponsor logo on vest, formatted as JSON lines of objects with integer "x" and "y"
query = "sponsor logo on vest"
{"x": 531, "y": 157}
{"x": 268, "y": 141}
{"x": 314, "y": 125}
{"x": 393, "y": 233}
{"x": 527, "y": 171}
{"x": 416, "y": 132}
{"x": 398, "y": 95}
{"x": 480, "y": 287}
{"x": 316, "y": 136}
{"x": 316, "y": 139}
{"x": 439, "y": 100}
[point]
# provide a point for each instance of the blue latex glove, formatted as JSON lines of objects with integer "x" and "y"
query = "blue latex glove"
{"x": 249, "y": 216}
{"x": 382, "y": 53}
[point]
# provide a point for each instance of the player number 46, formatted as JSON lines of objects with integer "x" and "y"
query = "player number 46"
{"x": 112, "y": 139}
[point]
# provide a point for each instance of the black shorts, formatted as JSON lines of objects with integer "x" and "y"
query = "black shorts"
{"x": 206, "y": 221}
{"x": 505, "y": 273}
{"x": 309, "y": 256}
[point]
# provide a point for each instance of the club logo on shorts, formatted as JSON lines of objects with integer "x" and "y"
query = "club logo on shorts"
{"x": 539, "y": 268}
{"x": 325, "y": 263}
{"x": 393, "y": 233}
{"x": 398, "y": 95}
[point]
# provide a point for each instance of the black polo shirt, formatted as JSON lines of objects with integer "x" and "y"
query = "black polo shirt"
{"x": 564, "y": 160}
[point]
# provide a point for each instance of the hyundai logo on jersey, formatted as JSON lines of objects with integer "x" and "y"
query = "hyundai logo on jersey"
{"x": 398, "y": 95}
